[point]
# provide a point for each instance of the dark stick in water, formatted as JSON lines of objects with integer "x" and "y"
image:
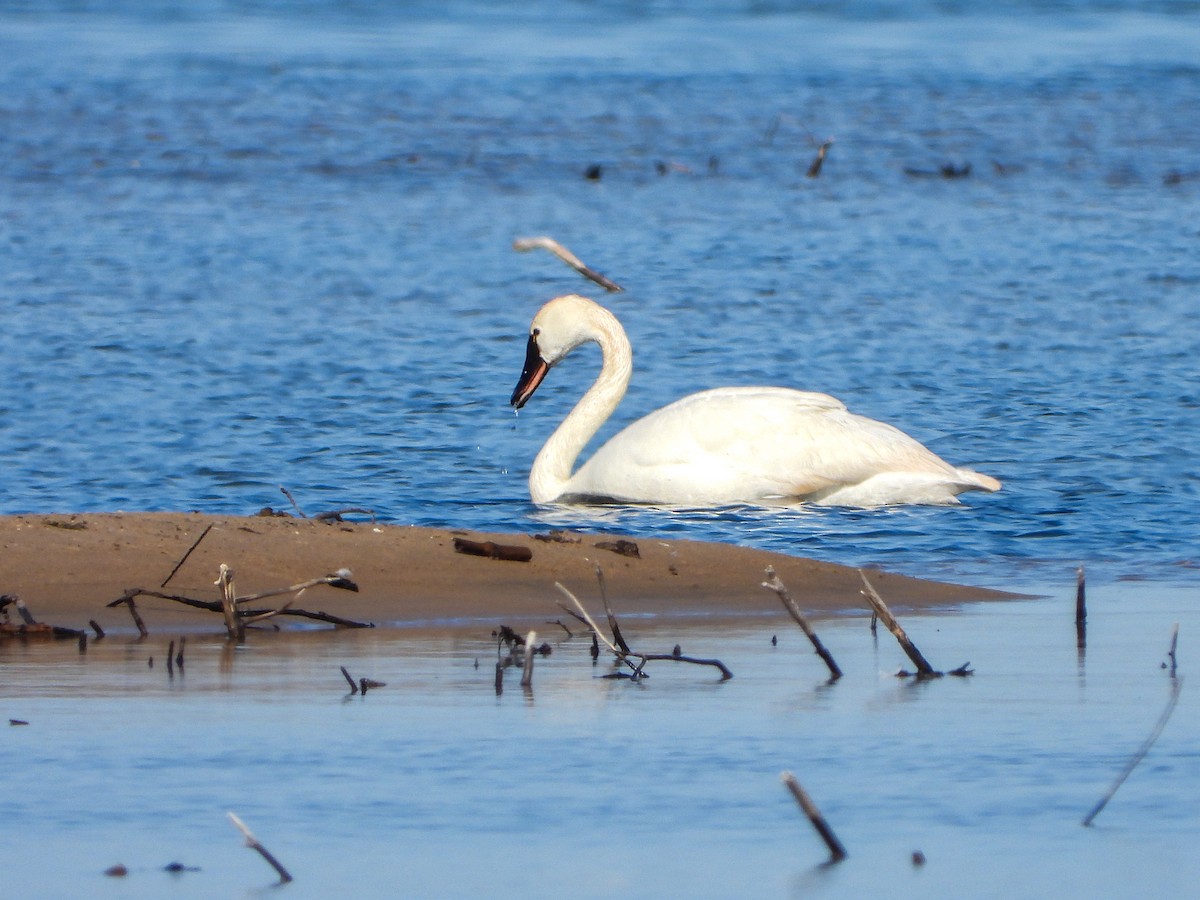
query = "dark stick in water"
{"x": 886, "y": 617}
{"x": 836, "y": 851}
{"x": 774, "y": 583}
{"x": 253, "y": 844}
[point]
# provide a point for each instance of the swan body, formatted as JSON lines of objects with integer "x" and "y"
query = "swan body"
{"x": 758, "y": 445}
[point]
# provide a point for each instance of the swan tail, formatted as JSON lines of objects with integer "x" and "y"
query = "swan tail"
{"x": 977, "y": 481}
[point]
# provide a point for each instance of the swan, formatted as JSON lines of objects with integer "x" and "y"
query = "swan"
{"x": 755, "y": 445}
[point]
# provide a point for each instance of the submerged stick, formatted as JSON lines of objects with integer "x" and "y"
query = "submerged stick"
{"x": 618, "y": 639}
{"x": 726, "y": 674}
{"x": 530, "y": 653}
{"x": 233, "y": 624}
{"x": 836, "y": 851}
{"x": 185, "y": 556}
{"x": 1176, "y": 686}
{"x": 253, "y": 844}
{"x": 886, "y": 617}
{"x": 815, "y": 169}
{"x": 522, "y": 245}
{"x": 127, "y": 599}
{"x": 1080, "y": 596}
{"x": 1171, "y": 651}
{"x": 774, "y": 583}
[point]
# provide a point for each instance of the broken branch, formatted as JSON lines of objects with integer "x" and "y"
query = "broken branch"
{"x": 774, "y": 583}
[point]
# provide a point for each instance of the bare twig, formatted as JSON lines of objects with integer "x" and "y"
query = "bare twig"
{"x": 339, "y": 579}
{"x": 184, "y": 558}
{"x": 1176, "y": 686}
{"x": 886, "y": 617}
{"x": 522, "y": 245}
{"x": 349, "y": 680}
{"x": 253, "y": 844}
{"x": 127, "y": 599}
{"x": 627, "y": 656}
{"x": 678, "y": 657}
{"x": 774, "y": 583}
{"x": 292, "y": 500}
{"x": 612, "y": 620}
{"x": 836, "y": 851}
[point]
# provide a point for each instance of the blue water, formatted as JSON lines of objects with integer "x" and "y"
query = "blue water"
{"x": 245, "y": 245}
{"x": 434, "y": 786}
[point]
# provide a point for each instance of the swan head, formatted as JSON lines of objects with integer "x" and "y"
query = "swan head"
{"x": 558, "y": 328}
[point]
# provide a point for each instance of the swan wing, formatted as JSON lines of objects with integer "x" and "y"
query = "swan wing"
{"x": 734, "y": 445}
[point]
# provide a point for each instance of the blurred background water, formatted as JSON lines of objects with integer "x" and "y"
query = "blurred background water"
{"x": 245, "y": 245}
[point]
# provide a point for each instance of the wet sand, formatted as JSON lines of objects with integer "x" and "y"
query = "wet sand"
{"x": 68, "y": 567}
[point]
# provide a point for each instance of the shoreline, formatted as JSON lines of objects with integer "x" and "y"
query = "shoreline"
{"x": 68, "y": 567}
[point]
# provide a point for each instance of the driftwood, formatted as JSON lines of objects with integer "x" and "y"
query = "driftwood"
{"x": 29, "y": 626}
{"x": 774, "y": 583}
{"x": 924, "y": 669}
{"x": 627, "y": 657}
{"x": 622, "y": 547}
{"x": 522, "y": 245}
{"x": 836, "y": 851}
{"x": 253, "y": 843}
{"x": 236, "y": 616}
{"x": 492, "y": 550}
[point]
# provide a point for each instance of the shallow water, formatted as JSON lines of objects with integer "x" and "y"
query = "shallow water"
{"x": 253, "y": 245}
{"x": 584, "y": 787}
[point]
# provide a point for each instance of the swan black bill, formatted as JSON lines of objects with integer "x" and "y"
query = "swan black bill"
{"x": 531, "y": 375}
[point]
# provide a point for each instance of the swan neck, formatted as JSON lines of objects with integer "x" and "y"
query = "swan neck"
{"x": 550, "y": 476}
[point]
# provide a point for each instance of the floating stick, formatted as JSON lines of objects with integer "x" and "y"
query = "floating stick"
{"x": 1137, "y": 757}
{"x": 171, "y": 660}
{"x": 499, "y": 677}
{"x": 836, "y": 851}
{"x": 886, "y": 617}
{"x": 185, "y": 556}
{"x": 530, "y": 653}
{"x": 253, "y": 844}
{"x": 522, "y": 245}
{"x": 1171, "y": 651}
{"x": 773, "y": 583}
{"x": 96, "y": 628}
{"x": 349, "y": 680}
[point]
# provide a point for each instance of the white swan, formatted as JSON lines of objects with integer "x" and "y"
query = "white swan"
{"x": 759, "y": 445}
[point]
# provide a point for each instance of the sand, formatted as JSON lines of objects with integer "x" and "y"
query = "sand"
{"x": 67, "y": 568}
